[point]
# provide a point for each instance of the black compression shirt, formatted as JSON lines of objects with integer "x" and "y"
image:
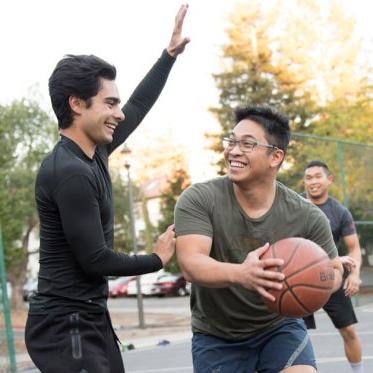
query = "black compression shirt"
{"x": 74, "y": 201}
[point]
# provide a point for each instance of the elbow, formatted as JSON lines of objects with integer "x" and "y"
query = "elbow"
{"x": 93, "y": 271}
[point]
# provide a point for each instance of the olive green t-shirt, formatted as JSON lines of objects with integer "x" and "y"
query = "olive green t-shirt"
{"x": 211, "y": 209}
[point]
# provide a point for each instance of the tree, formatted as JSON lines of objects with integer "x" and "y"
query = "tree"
{"x": 177, "y": 182}
{"x": 26, "y": 134}
{"x": 277, "y": 56}
{"x": 305, "y": 58}
{"x": 122, "y": 228}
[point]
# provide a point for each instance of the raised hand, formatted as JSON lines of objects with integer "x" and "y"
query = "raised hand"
{"x": 178, "y": 42}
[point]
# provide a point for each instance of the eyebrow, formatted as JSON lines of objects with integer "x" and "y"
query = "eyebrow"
{"x": 244, "y": 136}
{"x": 114, "y": 100}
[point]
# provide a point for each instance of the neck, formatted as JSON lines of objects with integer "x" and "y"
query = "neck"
{"x": 318, "y": 200}
{"x": 256, "y": 200}
{"x": 87, "y": 146}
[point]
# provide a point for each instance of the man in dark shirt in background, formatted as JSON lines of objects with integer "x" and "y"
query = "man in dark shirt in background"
{"x": 317, "y": 179}
{"x": 68, "y": 327}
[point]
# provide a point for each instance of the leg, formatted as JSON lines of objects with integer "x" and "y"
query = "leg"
{"x": 75, "y": 343}
{"x": 352, "y": 344}
{"x": 287, "y": 348}
{"x": 212, "y": 354}
{"x": 342, "y": 314}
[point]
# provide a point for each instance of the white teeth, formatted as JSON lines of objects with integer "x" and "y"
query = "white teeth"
{"x": 111, "y": 125}
{"x": 237, "y": 164}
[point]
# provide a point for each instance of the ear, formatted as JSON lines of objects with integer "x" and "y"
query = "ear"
{"x": 76, "y": 104}
{"x": 277, "y": 156}
{"x": 330, "y": 179}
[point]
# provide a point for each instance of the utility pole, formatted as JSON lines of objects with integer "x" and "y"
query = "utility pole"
{"x": 125, "y": 150}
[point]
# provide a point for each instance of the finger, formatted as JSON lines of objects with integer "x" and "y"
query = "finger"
{"x": 179, "y": 20}
{"x": 261, "y": 250}
{"x": 275, "y": 285}
{"x": 171, "y": 227}
{"x": 271, "y": 262}
{"x": 265, "y": 294}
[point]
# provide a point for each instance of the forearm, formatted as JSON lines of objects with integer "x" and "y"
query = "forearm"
{"x": 111, "y": 263}
{"x": 206, "y": 271}
{"x": 338, "y": 273}
{"x": 143, "y": 98}
{"x": 355, "y": 254}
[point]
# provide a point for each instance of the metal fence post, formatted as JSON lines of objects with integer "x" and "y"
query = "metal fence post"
{"x": 6, "y": 308}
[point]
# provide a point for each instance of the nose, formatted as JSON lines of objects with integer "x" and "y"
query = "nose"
{"x": 236, "y": 149}
{"x": 119, "y": 115}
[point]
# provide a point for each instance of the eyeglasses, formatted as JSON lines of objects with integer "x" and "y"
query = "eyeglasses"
{"x": 246, "y": 146}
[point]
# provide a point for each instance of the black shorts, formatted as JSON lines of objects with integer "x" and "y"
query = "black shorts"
{"x": 340, "y": 310}
{"x": 78, "y": 342}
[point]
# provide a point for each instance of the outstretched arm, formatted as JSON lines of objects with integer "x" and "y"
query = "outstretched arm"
{"x": 149, "y": 89}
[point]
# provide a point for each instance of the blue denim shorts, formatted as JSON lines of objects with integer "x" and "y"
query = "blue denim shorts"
{"x": 282, "y": 346}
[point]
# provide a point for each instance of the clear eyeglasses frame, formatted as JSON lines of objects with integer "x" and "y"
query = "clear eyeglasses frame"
{"x": 245, "y": 145}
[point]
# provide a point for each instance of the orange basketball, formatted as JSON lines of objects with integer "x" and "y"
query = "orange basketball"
{"x": 309, "y": 277}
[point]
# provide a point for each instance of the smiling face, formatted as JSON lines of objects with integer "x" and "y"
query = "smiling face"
{"x": 98, "y": 120}
{"x": 260, "y": 164}
{"x": 316, "y": 183}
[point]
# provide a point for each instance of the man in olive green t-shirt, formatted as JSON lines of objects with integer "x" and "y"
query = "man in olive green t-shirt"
{"x": 223, "y": 226}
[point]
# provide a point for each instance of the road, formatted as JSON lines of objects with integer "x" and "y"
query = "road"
{"x": 176, "y": 357}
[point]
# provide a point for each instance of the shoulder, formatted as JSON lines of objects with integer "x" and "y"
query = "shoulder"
{"x": 293, "y": 199}
{"x": 209, "y": 188}
{"x": 61, "y": 165}
{"x": 336, "y": 205}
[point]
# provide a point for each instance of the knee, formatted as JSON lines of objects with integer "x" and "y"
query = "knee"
{"x": 348, "y": 334}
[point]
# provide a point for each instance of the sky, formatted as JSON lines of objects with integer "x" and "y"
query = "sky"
{"x": 131, "y": 34}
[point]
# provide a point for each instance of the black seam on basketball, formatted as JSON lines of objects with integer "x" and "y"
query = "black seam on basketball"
{"x": 279, "y": 269}
{"x": 308, "y": 266}
{"x": 295, "y": 297}
{"x": 326, "y": 288}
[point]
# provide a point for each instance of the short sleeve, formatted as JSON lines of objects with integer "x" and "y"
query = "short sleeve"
{"x": 347, "y": 224}
{"x": 193, "y": 212}
{"x": 319, "y": 231}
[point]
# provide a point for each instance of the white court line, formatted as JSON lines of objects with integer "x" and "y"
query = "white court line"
{"x": 324, "y": 360}
{"x": 164, "y": 370}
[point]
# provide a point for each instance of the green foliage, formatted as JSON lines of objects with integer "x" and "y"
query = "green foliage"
{"x": 315, "y": 75}
{"x": 178, "y": 182}
{"x": 27, "y": 133}
{"x": 122, "y": 228}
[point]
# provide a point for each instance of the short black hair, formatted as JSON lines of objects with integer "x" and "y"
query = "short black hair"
{"x": 317, "y": 163}
{"x": 274, "y": 123}
{"x": 79, "y": 76}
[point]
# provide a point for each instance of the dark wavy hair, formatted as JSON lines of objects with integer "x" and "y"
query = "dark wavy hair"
{"x": 274, "y": 123}
{"x": 79, "y": 76}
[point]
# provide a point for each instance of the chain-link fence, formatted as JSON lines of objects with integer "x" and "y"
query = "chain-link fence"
{"x": 7, "y": 351}
{"x": 351, "y": 164}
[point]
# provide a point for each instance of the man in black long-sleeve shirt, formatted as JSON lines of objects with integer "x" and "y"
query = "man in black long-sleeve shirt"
{"x": 68, "y": 327}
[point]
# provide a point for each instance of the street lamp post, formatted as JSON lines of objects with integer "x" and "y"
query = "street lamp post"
{"x": 140, "y": 306}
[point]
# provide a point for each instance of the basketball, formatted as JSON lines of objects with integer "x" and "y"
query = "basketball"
{"x": 309, "y": 277}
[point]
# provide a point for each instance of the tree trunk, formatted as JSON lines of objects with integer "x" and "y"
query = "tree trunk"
{"x": 18, "y": 279}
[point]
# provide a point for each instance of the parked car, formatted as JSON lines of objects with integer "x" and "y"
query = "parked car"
{"x": 147, "y": 282}
{"x": 29, "y": 289}
{"x": 171, "y": 284}
{"x": 118, "y": 287}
